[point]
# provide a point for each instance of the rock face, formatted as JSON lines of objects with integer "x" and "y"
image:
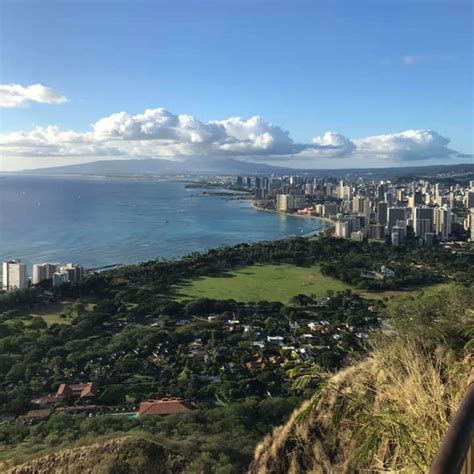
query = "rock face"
{"x": 118, "y": 456}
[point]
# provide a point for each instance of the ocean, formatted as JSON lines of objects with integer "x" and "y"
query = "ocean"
{"x": 106, "y": 221}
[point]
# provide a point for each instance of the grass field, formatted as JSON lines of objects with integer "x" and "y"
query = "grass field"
{"x": 276, "y": 283}
{"x": 51, "y": 313}
{"x": 263, "y": 282}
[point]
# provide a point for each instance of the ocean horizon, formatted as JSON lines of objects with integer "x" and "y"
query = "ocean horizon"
{"x": 99, "y": 221}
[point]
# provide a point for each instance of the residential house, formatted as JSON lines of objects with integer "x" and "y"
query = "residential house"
{"x": 164, "y": 406}
{"x": 77, "y": 390}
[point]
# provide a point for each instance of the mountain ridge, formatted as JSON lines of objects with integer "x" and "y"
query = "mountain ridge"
{"x": 153, "y": 166}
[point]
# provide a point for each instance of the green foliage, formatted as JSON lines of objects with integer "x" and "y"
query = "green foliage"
{"x": 197, "y": 436}
{"x": 143, "y": 340}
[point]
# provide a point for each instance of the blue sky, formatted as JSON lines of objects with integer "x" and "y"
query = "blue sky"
{"x": 356, "y": 68}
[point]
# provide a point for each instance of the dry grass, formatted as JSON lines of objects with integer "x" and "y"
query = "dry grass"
{"x": 386, "y": 414}
{"x": 409, "y": 398}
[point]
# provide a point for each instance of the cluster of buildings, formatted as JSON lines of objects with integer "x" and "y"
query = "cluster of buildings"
{"x": 81, "y": 398}
{"x": 375, "y": 210}
{"x": 15, "y": 274}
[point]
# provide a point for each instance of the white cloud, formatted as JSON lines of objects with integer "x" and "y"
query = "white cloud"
{"x": 16, "y": 95}
{"x": 157, "y": 133}
{"x": 333, "y": 144}
{"x": 52, "y": 141}
{"x": 410, "y": 59}
{"x": 185, "y": 134}
{"x": 409, "y": 145}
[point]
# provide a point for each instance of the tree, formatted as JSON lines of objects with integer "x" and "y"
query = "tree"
{"x": 271, "y": 324}
{"x": 113, "y": 395}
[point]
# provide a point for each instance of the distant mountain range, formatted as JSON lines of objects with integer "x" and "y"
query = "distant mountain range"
{"x": 200, "y": 167}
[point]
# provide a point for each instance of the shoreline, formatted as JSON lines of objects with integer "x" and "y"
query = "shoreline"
{"x": 329, "y": 221}
{"x": 157, "y": 247}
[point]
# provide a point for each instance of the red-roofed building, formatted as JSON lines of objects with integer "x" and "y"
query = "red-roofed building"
{"x": 164, "y": 406}
{"x": 77, "y": 390}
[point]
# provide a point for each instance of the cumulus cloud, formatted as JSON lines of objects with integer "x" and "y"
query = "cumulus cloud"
{"x": 332, "y": 144}
{"x": 51, "y": 141}
{"x": 234, "y": 135}
{"x": 16, "y": 95}
{"x": 406, "y": 146}
{"x": 158, "y": 133}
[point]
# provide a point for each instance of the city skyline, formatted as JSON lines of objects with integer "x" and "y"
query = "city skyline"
{"x": 323, "y": 85}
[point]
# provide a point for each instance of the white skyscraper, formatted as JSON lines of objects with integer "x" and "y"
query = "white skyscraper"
{"x": 60, "y": 278}
{"x": 443, "y": 221}
{"x": 75, "y": 272}
{"x": 14, "y": 276}
{"x": 43, "y": 271}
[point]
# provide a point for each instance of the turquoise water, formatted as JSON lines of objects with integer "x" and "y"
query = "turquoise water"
{"x": 104, "y": 221}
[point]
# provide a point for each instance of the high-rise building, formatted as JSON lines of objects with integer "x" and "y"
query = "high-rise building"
{"x": 382, "y": 213}
{"x": 471, "y": 225}
{"x": 470, "y": 199}
{"x": 330, "y": 209}
{"x": 75, "y": 272}
{"x": 290, "y": 202}
{"x": 358, "y": 204}
{"x": 442, "y": 222}
{"x": 60, "y": 278}
{"x": 344, "y": 192}
{"x": 376, "y": 231}
{"x": 342, "y": 229}
{"x": 14, "y": 276}
{"x": 282, "y": 202}
{"x": 423, "y": 219}
{"x": 416, "y": 199}
{"x": 396, "y": 214}
{"x": 367, "y": 208}
{"x": 397, "y": 236}
{"x": 390, "y": 198}
{"x": 380, "y": 191}
{"x": 274, "y": 183}
{"x": 43, "y": 271}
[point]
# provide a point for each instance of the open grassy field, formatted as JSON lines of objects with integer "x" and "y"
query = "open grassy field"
{"x": 51, "y": 313}
{"x": 276, "y": 283}
{"x": 263, "y": 282}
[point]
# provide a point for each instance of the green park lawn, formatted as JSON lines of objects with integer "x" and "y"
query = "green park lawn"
{"x": 276, "y": 283}
{"x": 52, "y": 313}
{"x": 262, "y": 282}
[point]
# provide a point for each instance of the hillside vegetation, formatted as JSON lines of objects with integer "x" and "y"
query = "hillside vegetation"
{"x": 389, "y": 412}
{"x": 245, "y": 365}
{"x": 121, "y": 455}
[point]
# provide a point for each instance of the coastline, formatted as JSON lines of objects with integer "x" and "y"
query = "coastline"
{"x": 294, "y": 215}
{"x": 140, "y": 223}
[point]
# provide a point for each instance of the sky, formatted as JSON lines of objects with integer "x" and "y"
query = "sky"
{"x": 313, "y": 84}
